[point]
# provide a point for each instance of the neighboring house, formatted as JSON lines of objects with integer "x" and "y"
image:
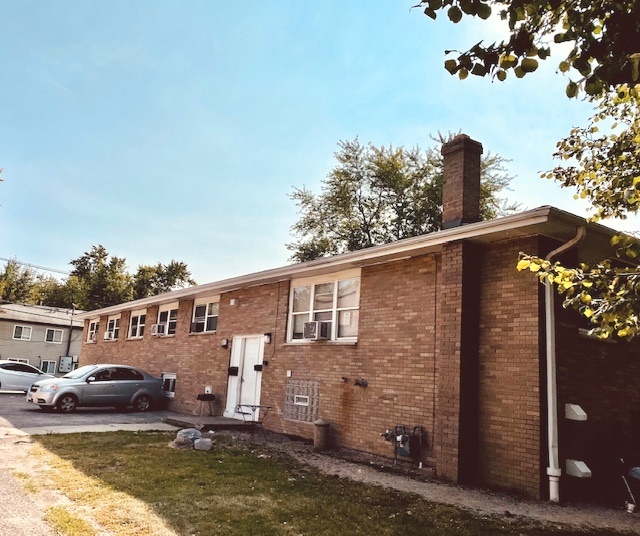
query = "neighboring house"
{"x": 49, "y": 338}
{"x": 439, "y": 333}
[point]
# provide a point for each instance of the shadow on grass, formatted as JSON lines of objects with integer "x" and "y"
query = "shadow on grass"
{"x": 241, "y": 491}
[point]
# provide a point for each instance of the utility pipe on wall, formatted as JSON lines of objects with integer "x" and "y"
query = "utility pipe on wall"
{"x": 553, "y": 470}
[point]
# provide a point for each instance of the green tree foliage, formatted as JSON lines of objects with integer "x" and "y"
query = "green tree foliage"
{"x": 18, "y": 284}
{"x": 603, "y": 39}
{"x": 97, "y": 280}
{"x": 376, "y": 195}
{"x": 602, "y": 160}
{"x": 161, "y": 278}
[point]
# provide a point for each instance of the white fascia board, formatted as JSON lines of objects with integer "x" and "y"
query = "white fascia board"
{"x": 405, "y": 248}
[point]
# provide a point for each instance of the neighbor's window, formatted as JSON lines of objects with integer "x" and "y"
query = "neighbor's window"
{"x": 167, "y": 319}
{"x": 94, "y": 325}
{"x": 48, "y": 367}
{"x": 113, "y": 328}
{"x": 53, "y": 335}
{"x": 333, "y": 300}
{"x": 136, "y": 324}
{"x": 205, "y": 315}
{"x": 22, "y": 333}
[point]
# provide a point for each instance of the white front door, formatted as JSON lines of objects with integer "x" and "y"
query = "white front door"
{"x": 244, "y": 386}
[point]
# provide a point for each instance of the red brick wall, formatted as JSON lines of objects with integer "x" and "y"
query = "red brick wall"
{"x": 509, "y": 389}
{"x": 406, "y": 308}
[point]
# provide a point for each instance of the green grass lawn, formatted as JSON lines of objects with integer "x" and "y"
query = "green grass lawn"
{"x": 133, "y": 483}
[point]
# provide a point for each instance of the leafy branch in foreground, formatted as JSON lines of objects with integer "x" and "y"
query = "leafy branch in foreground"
{"x": 603, "y": 38}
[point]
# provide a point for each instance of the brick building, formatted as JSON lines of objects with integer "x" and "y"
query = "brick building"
{"x": 439, "y": 333}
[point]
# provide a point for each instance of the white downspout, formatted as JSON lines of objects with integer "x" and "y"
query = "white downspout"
{"x": 553, "y": 470}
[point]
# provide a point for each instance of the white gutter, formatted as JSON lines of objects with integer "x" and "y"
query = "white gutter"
{"x": 553, "y": 470}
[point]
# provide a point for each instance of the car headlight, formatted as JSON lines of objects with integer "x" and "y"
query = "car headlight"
{"x": 49, "y": 388}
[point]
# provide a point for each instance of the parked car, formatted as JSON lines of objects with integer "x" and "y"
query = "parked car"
{"x": 119, "y": 386}
{"x": 19, "y": 376}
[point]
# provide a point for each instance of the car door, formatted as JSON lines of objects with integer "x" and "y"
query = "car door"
{"x": 128, "y": 382}
{"x": 100, "y": 391}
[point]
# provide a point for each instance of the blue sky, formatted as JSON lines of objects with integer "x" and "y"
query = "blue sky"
{"x": 176, "y": 130}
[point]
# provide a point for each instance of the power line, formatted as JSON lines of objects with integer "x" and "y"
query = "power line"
{"x": 36, "y": 266}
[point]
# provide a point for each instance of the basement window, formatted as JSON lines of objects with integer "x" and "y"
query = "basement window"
{"x": 169, "y": 384}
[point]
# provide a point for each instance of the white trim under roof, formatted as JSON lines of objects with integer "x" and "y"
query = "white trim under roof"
{"x": 546, "y": 220}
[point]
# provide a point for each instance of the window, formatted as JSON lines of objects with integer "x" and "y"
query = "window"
{"x": 326, "y": 300}
{"x": 113, "y": 328}
{"x": 18, "y": 360}
{"x": 136, "y": 324}
{"x": 169, "y": 384}
{"x": 22, "y": 333}
{"x": 205, "y": 315}
{"x": 94, "y": 325}
{"x": 49, "y": 367}
{"x": 53, "y": 335}
{"x": 167, "y": 320}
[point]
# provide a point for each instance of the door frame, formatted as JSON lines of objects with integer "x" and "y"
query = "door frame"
{"x": 234, "y": 383}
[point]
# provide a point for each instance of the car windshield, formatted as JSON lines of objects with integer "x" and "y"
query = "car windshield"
{"x": 80, "y": 372}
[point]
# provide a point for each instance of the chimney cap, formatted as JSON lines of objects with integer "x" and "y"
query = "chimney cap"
{"x": 461, "y": 141}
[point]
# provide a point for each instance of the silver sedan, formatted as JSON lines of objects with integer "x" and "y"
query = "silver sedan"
{"x": 119, "y": 386}
{"x": 19, "y": 376}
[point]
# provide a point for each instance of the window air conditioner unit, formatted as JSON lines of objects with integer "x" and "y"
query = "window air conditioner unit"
{"x": 108, "y": 335}
{"x": 158, "y": 329}
{"x": 317, "y": 331}
{"x": 93, "y": 337}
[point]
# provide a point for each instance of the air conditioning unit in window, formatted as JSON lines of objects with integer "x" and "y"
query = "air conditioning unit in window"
{"x": 158, "y": 329}
{"x": 317, "y": 331}
{"x": 108, "y": 335}
{"x": 93, "y": 337}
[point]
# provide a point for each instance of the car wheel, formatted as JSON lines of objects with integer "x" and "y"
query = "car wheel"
{"x": 67, "y": 403}
{"x": 142, "y": 403}
{"x": 47, "y": 409}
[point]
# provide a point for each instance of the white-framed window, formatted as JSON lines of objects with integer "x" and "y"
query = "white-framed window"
{"x": 48, "y": 367}
{"x": 205, "y": 315}
{"x": 169, "y": 384}
{"x": 334, "y": 299}
{"x": 136, "y": 324}
{"x": 53, "y": 335}
{"x": 94, "y": 326}
{"x": 167, "y": 319}
{"x": 18, "y": 360}
{"x": 113, "y": 328}
{"x": 22, "y": 333}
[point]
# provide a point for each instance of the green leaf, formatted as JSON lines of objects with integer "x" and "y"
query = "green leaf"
{"x": 501, "y": 75}
{"x": 529, "y": 65}
{"x": 519, "y": 72}
{"x": 435, "y": 4}
{"x": 454, "y": 14}
{"x": 451, "y": 66}
{"x": 430, "y": 13}
{"x": 484, "y": 11}
{"x": 478, "y": 70}
{"x": 463, "y": 73}
{"x": 572, "y": 90}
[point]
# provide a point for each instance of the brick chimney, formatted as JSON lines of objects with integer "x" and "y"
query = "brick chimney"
{"x": 461, "y": 189}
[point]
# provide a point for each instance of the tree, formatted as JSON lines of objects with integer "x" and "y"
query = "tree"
{"x": 602, "y": 159}
{"x": 161, "y": 278}
{"x": 604, "y": 38}
{"x": 97, "y": 280}
{"x": 376, "y": 195}
{"x": 18, "y": 284}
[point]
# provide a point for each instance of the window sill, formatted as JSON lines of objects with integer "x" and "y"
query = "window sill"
{"x": 327, "y": 343}
{"x": 163, "y": 336}
{"x": 198, "y": 333}
{"x": 135, "y": 338}
{"x": 110, "y": 340}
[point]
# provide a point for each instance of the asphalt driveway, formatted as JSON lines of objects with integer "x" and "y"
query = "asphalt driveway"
{"x": 17, "y": 413}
